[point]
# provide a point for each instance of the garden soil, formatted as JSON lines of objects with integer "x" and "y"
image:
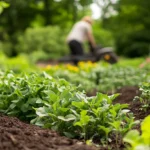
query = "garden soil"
{"x": 127, "y": 95}
{"x": 17, "y": 135}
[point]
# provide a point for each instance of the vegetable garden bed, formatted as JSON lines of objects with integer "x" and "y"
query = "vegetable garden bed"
{"x": 16, "y": 135}
{"x": 65, "y": 99}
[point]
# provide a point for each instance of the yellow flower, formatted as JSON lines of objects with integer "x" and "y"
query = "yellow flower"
{"x": 56, "y": 67}
{"x": 72, "y": 68}
{"x": 81, "y": 63}
{"x": 48, "y": 67}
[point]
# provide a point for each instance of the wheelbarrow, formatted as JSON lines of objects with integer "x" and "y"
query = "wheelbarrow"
{"x": 100, "y": 53}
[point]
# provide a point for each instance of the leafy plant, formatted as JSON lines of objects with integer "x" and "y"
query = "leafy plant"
{"x": 145, "y": 96}
{"x": 19, "y": 94}
{"x": 84, "y": 117}
{"x": 137, "y": 141}
{"x": 58, "y": 105}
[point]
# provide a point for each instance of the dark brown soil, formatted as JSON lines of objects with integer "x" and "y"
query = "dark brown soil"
{"x": 16, "y": 135}
{"x": 127, "y": 95}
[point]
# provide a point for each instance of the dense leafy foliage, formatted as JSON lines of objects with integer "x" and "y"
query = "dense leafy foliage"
{"x": 50, "y": 40}
{"x": 58, "y": 105}
{"x": 33, "y": 14}
{"x": 102, "y": 76}
{"x": 128, "y": 21}
{"x": 131, "y": 27}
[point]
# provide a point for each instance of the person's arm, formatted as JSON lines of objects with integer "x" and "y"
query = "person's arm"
{"x": 91, "y": 39}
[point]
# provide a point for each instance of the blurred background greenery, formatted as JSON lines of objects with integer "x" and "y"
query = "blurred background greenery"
{"x": 39, "y": 27}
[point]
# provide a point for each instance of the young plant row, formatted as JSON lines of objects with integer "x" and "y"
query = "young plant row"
{"x": 136, "y": 140}
{"x": 116, "y": 77}
{"x": 144, "y": 98}
{"x": 98, "y": 76}
{"x": 102, "y": 77}
{"x": 58, "y": 105}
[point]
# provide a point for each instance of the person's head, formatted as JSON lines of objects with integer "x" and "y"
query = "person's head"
{"x": 87, "y": 19}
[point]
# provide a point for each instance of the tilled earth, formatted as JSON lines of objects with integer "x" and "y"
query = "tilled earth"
{"x": 127, "y": 95}
{"x": 17, "y": 135}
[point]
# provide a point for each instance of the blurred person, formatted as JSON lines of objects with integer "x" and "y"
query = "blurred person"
{"x": 81, "y": 32}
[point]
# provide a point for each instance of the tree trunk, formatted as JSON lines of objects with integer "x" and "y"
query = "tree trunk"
{"x": 74, "y": 11}
{"x": 48, "y": 11}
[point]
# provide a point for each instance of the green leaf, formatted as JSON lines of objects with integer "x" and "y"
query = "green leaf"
{"x": 74, "y": 112}
{"x": 41, "y": 112}
{"x": 15, "y": 101}
{"x": 53, "y": 96}
{"x": 114, "y": 96}
{"x": 64, "y": 109}
{"x": 32, "y": 100}
{"x": 67, "y": 118}
{"x": 12, "y": 106}
{"x": 116, "y": 124}
{"x": 47, "y": 76}
{"x": 25, "y": 107}
{"x": 105, "y": 129}
{"x": 38, "y": 100}
{"x": 79, "y": 105}
{"x": 81, "y": 96}
{"x": 78, "y": 124}
{"x": 133, "y": 138}
{"x": 69, "y": 135}
{"x": 145, "y": 130}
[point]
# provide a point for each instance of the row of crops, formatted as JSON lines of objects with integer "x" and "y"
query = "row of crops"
{"x": 102, "y": 77}
{"x": 55, "y": 97}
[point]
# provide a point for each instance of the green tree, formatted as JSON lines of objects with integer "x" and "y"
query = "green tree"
{"x": 3, "y": 5}
{"x": 23, "y": 14}
{"x": 131, "y": 27}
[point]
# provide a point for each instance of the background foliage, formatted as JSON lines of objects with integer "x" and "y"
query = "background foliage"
{"x": 131, "y": 27}
{"x": 50, "y": 39}
{"x": 123, "y": 24}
